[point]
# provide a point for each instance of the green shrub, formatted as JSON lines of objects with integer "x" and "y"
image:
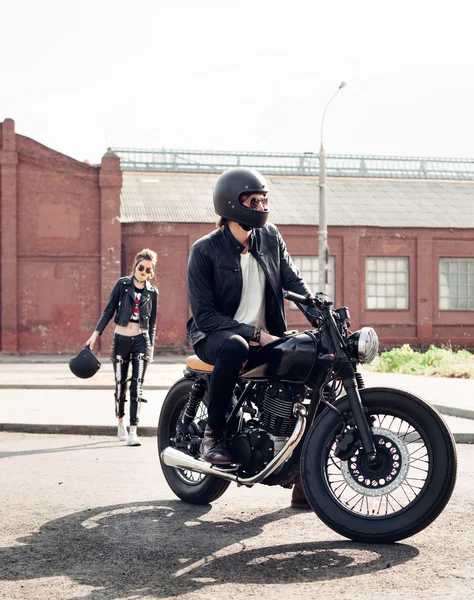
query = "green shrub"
{"x": 443, "y": 362}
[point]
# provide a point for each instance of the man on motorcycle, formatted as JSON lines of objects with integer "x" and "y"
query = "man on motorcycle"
{"x": 236, "y": 277}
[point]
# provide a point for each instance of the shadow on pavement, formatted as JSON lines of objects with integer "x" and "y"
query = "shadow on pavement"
{"x": 169, "y": 548}
{"x": 86, "y": 446}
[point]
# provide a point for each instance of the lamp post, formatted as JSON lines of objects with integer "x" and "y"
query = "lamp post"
{"x": 323, "y": 249}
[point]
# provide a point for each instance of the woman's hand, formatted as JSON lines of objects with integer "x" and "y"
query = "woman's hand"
{"x": 91, "y": 341}
{"x": 266, "y": 338}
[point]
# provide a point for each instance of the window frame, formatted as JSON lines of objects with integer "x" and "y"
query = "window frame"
{"x": 314, "y": 287}
{"x": 382, "y": 281}
{"x": 450, "y": 260}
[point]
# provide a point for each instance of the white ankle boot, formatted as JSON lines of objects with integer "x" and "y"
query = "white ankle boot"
{"x": 133, "y": 439}
{"x": 122, "y": 432}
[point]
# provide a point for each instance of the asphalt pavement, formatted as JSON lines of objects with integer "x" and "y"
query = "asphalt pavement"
{"x": 86, "y": 518}
{"x": 41, "y": 395}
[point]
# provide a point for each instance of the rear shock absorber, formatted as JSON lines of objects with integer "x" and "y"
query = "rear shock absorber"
{"x": 195, "y": 396}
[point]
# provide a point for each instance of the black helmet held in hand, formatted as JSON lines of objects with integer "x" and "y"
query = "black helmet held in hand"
{"x": 228, "y": 190}
{"x": 85, "y": 364}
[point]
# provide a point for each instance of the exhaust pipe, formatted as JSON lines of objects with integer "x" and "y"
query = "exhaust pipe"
{"x": 176, "y": 459}
{"x": 179, "y": 460}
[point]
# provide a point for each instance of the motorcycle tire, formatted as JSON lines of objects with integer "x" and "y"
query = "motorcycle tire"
{"x": 191, "y": 487}
{"x": 407, "y": 489}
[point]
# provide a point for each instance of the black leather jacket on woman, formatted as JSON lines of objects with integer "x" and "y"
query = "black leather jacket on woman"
{"x": 122, "y": 302}
{"x": 215, "y": 282}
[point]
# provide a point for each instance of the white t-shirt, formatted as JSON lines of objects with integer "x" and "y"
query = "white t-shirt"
{"x": 251, "y": 309}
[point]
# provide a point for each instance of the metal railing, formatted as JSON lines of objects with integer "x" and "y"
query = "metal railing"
{"x": 306, "y": 163}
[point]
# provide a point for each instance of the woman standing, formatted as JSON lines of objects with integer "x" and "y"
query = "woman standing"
{"x": 134, "y": 301}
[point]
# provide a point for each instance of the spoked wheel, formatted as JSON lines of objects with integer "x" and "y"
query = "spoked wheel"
{"x": 393, "y": 481}
{"x": 403, "y": 491}
{"x": 190, "y": 486}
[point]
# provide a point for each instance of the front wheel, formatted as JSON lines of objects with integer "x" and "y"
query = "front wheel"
{"x": 190, "y": 486}
{"x": 404, "y": 491}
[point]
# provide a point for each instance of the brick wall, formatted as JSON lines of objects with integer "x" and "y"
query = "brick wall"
{"x": 60, "y": 241}
{"x": 421, "y": 324}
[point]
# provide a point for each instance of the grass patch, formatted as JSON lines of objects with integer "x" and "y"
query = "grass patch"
{"x": 440, "y": 362}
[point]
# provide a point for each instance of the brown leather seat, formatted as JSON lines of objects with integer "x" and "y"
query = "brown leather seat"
{"x": 196, "y": 364}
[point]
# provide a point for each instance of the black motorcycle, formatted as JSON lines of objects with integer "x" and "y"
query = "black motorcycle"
{"x": 377, "y": 464}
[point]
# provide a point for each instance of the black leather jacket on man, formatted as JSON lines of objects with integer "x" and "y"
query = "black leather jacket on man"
{"x": 215, "y": 282}
{"x": 122, "y": 302}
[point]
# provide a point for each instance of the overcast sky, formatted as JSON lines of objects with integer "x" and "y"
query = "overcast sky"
{"x": 240, "y": 75}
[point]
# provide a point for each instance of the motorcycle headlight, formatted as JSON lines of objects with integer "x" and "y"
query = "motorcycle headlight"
{"x": 364, "y": 344}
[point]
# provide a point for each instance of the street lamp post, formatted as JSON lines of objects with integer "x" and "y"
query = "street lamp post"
{"x": 323, "y": 248}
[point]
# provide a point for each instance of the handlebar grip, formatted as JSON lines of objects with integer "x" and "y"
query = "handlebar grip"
{"x": 298, "y": 298}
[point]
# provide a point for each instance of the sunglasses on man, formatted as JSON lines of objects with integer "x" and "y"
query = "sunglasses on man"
{"x": 254, "y": 203}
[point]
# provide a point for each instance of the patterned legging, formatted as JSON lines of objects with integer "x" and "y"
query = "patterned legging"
{"x": 126, "y": 350}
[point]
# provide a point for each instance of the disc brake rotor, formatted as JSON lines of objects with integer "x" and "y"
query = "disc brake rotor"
{"x": 389, "y": 471}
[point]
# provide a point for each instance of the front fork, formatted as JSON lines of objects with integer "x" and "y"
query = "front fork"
{"x": 349, "y": 382}
{"x": 347, "y": 374}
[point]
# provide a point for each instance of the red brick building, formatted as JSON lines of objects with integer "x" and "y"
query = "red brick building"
{"x": 401, "y": 238}
{"x": 60, "y": 240}
{"x": 402, "y": 251}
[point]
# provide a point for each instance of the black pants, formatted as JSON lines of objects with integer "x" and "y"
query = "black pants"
{"x": 135, "y": 349}
{"x": 227, "y": 352}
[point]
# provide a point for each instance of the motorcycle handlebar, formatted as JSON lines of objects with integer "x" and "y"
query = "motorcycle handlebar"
{"x": 299, "y": 299}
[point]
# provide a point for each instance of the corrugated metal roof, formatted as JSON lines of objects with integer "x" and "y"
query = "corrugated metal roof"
{"x": 183, "y": 198}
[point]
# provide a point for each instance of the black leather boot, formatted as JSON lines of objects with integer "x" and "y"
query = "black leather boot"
{"x": 214, "y": 449}
{"x": 298, "y": 498}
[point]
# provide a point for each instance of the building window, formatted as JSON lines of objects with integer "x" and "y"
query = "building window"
{"x": 308, "y": 266}
{"x": 386, "y": 283}
{"x": 456, "y": 284}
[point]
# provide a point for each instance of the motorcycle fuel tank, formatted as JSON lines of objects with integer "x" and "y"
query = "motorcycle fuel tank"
{"x": 288, "y": 359}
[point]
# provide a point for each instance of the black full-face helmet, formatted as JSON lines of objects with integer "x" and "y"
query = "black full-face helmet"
{"x": 228, "y": 190}
{"x": 85, "y": 364}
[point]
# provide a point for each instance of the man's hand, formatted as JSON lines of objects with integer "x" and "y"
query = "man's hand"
{"x": 266, "y": 338}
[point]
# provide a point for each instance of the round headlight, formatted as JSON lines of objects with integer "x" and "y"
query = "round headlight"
{"x": 368, "y": 345}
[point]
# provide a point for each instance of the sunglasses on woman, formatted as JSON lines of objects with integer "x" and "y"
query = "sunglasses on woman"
{"x": 141, "y": 268}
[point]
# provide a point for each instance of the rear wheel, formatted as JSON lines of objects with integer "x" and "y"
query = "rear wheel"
{"x": 404, "y": 491}
{"x": 190, "y": 486}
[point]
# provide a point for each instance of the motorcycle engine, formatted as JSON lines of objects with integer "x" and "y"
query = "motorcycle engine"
{"x": 262, "y": 439}
{"x": 277, "y": 408}
{"x": 252, "y": 449}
